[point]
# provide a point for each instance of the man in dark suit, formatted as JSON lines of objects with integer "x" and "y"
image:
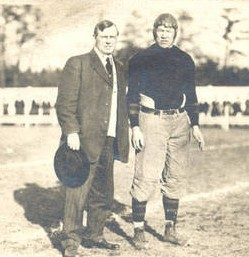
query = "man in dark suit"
{"x": 91, "y": 110}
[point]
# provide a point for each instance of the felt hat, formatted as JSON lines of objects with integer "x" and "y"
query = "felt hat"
{"x": 71, "y": 167}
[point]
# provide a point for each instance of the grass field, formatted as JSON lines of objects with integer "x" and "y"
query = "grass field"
{"x": 214, "y": 214}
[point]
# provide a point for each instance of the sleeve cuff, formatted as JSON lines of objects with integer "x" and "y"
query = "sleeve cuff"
{"x": 194, "y": 120}
{"x": 134, "y": 119}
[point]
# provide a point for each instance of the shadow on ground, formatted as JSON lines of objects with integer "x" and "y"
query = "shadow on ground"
{"x": 45, "y": 207}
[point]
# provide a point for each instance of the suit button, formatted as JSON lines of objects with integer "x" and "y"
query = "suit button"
{"x": 106, "y": 104}
{"x": 105, "y": 121}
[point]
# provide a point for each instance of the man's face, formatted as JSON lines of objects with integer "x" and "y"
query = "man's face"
{"x": 165, "y": 36}
{"x": 106, "y": 40}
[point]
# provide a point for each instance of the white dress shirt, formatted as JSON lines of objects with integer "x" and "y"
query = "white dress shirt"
{"x": 113, "y": 113}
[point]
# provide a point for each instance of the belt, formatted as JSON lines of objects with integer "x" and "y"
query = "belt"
{"x": 160, "y": 112}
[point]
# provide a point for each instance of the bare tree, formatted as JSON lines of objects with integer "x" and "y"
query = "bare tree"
{"x": 25, "y": 21}
{"x": 136, "y": 36}
{"x": 2, "y": 49}
{"x": 230, "y": 35}
{"x": 185, "y": 20}
{"x": 186, "y": 37}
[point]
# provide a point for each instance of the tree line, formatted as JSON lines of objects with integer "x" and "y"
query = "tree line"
{"x": 26, "y": 20}
{"x": 206, "y": 74}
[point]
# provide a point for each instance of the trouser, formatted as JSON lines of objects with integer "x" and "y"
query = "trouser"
{"x": 164, "y": 157}
{"x": 97, "y": 192}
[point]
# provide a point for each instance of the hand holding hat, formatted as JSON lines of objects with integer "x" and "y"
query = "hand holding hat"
{"x": 71, "y": 167}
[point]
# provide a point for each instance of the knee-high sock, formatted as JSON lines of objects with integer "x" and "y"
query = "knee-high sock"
{"x": 170, "y": 208}
{"x": 138, "y": 210}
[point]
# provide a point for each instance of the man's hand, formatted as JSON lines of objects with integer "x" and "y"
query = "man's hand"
{"x": 198, "y": 137}
{"x": 73, "y": 141}
{"x": 137, "y": 138}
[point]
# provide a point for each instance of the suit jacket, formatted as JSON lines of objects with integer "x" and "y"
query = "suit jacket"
{"x": 84, "y": 102}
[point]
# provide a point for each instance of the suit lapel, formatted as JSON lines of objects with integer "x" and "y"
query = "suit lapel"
{"x": 120, "y": 82}
{"x": 99, "y": 68}
{"x": 118, "y": 71}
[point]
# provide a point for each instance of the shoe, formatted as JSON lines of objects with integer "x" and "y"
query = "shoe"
{"x": 70, "y": 248}
{"x": 102, "y": 244}
{"x": 71, "y": 251}
{"x": 139, "y": 238}
{"x": 171, "y": 236}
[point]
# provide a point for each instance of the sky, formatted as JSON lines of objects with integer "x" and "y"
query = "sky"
{"x": 70, "y": 23}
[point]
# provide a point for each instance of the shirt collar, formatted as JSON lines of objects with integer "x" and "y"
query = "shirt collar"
{"x": 102, "y": 56}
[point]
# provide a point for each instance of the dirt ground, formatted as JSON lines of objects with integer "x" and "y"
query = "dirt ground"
{"x": 213, "y": 216}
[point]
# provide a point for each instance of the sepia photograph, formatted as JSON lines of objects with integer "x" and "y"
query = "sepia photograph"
{"x": 124, "y": 128}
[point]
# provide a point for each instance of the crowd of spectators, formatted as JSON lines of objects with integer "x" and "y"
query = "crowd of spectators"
{"x": 217, "y": 108}
{"x": 34, "y": 110}
{"x": 213, "y": 109}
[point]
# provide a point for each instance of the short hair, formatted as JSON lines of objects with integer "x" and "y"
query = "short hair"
{"x": 166, "y": 20}
{"x": 103, "y": 25}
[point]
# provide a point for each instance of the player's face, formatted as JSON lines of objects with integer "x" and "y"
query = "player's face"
{"x": 165, "y": 36}
{"x": 106, "y": 40}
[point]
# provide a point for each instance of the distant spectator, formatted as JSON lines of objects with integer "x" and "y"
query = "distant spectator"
{"x": 19, "y": 105}
{"x": 229, "y": 104}
{"x": 204, "y": 107}
{"x": 246, "y": 112}
{"x": 236, "y": 108}
{"x": 216, "y": 109}
{"x": 5, "y": 109}
{"x": 46, "y": 108}
{"x": 34, "y": 108}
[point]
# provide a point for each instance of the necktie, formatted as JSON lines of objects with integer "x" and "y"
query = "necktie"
{"x": 108, "y": 66}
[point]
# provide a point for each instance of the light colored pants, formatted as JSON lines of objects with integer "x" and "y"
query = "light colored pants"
{"x": 163, "y": 161}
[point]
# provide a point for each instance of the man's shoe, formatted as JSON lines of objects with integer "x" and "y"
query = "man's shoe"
{"x": 171, "y": 236}
{"x": 139, "y": 238}
{"x": 69, "y": 252}
{"x": 102, "y": 244}
{"x": 71, "y": 249}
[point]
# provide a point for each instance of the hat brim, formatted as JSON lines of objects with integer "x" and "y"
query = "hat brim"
{"x": 71, "y": 167}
